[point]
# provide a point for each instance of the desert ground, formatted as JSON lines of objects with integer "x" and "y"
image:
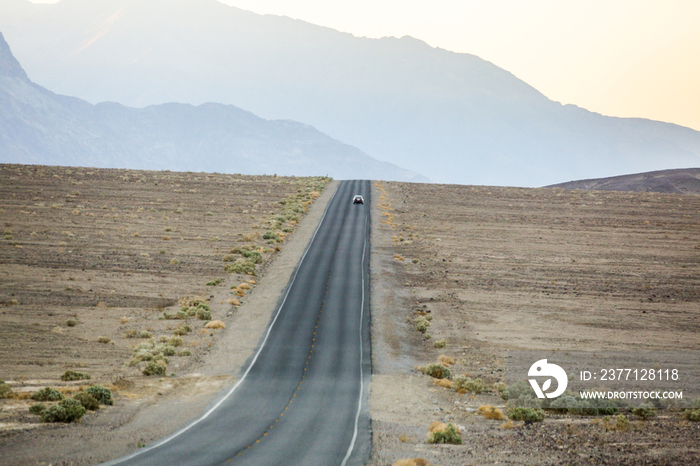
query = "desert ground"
{"x": 92, "y": 262}
{"x": 507, "y": 269}
{"x": 498, "y": 269}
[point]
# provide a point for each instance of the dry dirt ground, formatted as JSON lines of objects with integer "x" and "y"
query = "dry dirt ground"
{"x": 499, "y": 269}
{"x": 502, "y": 269}
{"x": 90, "y": 261}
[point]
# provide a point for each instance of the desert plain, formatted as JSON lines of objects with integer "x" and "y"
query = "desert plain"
{"x": 95, "y": 262}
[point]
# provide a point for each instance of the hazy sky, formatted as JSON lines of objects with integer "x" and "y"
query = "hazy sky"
{"x": 629, "y": 58}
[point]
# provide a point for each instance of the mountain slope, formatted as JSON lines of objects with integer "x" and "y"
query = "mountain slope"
{"x": 681, "y": 181}
{"x": 453, "y": 117}
{"x": 40, "y": 127}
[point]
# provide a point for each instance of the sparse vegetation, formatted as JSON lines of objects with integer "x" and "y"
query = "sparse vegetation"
{"x": 491, "y": 412}
{"x": 447, "y": 434}
{"x": 47, "y": 394}
{"x": 436, "y": 370}
{"x": 37, "y": 409}
{"x": 526, "y": 414}
{"x": 67, "y": 410}
{"x": 645, "y": 411}
{"x": 69, "y": 376}
{"x": 88, "y": 401}
{"x": 465, "y": 383}
{"x": 5, "y": 390}
{"x": 153, "y": 368}
{"x": 101, "y": 394}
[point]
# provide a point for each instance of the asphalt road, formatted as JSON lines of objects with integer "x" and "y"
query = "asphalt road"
{"x": 303, "y": 397}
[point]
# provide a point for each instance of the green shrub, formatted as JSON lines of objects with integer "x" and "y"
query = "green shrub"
{"x": 215, "y": 282}
{"x": 131, "y": 333}
{"x": 145, "y": 334}
{"x": 449, "y": 435}
{"x": 88, "y": 401}
{"x": 246, "y": 267}
{"x": 269, "y": 234}
{"x": 101, "y": 394}
{"x": 47, "y": 394}
{"x": 175, "y": 341}
{"x": 184, "y": 352}
{"x": 5, "y": 390}
{"x": 183, "y": 329}
{"x": 253, "y": 256}
{"x": 440, "y": 343}
{"x": 515, "y": 390}
{"x": 153, "y": 368}
{"x": 203, "y": 314}
{"x": 68, "y": 410}
{"x": 437, "y": 371}
{"x": 692, "y": 415}
{"x": 621, "y": 422}
{"x": 645, "y": 411}
{"x": 462, "y": 382}
{"x": 524, "y": 401}
{"x": 37, "y": 409}
{"x": 70, "y": 376}
{"x": 71, "y": 322}
{"x": 526, "y": 414}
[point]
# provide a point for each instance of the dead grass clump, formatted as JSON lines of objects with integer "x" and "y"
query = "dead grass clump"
{"x": 508, "y": 425}
{"x": 412, "y": 462}
{"x": 215, "y": 324}
{"x": 233, "y": 302}
{"x": 446, "y": 360}
{"x": 491, "y": 412}
{"x": 444, "y": 383}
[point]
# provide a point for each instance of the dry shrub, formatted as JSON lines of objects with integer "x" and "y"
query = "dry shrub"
{"x": 491, "y": 412}
{"x": 233, "y": 302}
{"x": 412, "y": 462}
{"x": 215, "y": 324}
{"x": 405, "y": 439}
{"x": 251, "y": 282}
{"x": 444, "y": 383}
{"x": 244, "y": 286}
{"x": 508, "y": 425}
{"x": 436, "y": 426}
{"x": 446, "y": 360}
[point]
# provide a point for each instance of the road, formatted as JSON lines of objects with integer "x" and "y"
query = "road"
{"x": 303, "y": 396}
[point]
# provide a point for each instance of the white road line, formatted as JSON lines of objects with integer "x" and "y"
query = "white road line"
{"x": 362, "y": 381}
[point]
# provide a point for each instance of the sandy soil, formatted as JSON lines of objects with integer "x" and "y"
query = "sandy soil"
{"x": 503, "y": 269}
{"x": 113, "y": 250}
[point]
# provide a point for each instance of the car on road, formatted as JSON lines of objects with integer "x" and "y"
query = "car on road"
{"x": 358, "y": 199}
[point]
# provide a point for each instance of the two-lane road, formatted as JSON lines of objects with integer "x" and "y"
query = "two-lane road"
{"x": 303, "y": 397}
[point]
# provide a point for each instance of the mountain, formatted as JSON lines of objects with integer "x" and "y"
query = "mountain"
{"x": 452, "y": 117}
{"x": 40, "y": 127}
{"x": 681, "y": 181}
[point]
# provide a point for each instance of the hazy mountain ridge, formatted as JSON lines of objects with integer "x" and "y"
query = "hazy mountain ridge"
{"x": 453, "y": 117}
{"x": 40, "y": 127}
{"x": 680, "y": 181}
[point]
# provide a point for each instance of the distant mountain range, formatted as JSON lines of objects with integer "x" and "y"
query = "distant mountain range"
{"x": 680, "y": 181}
{"x": 451, "y": 117}
{"x": 40, "y": 127}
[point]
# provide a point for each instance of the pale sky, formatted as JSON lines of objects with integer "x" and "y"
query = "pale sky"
{"x": 627, "y": 58}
